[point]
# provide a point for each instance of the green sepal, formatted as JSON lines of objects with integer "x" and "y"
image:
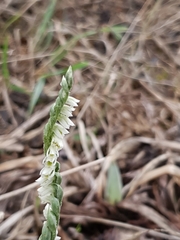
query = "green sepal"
{"x": 46, "y": 234}
{"x": 55, "y": 208}
{"x": 58, "y": 192}
{"x": 57, "y": 167}
{"x": 51, "y": 222}
{"x": 58, "y": 179}
{"x": 69, "y": 77}
{"x": 64, "y": 84}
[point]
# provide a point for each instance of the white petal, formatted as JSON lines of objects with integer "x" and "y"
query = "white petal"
{"x": 65, "y": 121}
{"x": 40, "y": 180}
{"x": 57, "y": 238}
{"x": 61, "y": 129}
{"x": 46, "y": 210}
{"x": 45, "y": 191}
{"x": 58, "y": 133}
{"x": 72, "y": 101}
{"x": 53, "y": 152}
{"x": 45, "y": 183}
{"x": 57, "y": 143}
{"x": 45, "y": 199}
{"x": 66, "y": 111}
{"x": 68, "y": 108}
{"x": 47, "y": 171}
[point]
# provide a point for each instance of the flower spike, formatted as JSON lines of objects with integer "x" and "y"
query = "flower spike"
{"x": 50, "y": 191}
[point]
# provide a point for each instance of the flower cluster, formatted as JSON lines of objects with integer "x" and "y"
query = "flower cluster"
{"x": 50, "y": 191}
{"x": 60, "y": 129}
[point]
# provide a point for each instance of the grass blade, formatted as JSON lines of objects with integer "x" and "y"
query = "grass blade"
{"x": 36, "y": 94}
{"x": 15, "y": 88}
{"x": 114, "y": 185}
{"x": 42, "y": 30}
{"x": 60, "y": 52}
{"x": 76, "y": 66}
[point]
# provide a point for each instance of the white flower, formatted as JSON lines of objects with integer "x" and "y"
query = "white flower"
{"x": 45, "y": 193}
{"x": 72, "y": 101}
{"x": 65, "y": 121}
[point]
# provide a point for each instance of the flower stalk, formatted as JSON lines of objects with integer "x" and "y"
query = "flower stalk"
{"x": 50, "y": 191}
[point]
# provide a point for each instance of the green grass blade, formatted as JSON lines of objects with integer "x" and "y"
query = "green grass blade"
{"x": 42, "y": 30}
{"x": 36, "y": 94}
{"x": 113, "y": 190}
{"x": 47, "y": 40}
{"x": 79, "y": 66}
{"x": 60, "y": 52}
{"x": 116, "y": 30}
{"x": 17, "y": 89}
{"x": 76, "y": 66}
{"x": 18, "y": 15}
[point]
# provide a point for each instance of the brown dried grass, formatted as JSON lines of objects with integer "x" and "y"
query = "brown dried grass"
{"x": 128, "y": 113}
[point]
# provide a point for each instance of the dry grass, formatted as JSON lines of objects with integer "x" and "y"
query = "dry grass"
{"x": 127, "y": 78}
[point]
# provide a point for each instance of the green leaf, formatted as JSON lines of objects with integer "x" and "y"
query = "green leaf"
{"x": 79, "y": 65}
{"x": 113, "y": 189}
{"x": 36, "y": 94}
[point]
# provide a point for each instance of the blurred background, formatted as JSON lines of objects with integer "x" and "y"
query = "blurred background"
{"x": 120, "y": 163}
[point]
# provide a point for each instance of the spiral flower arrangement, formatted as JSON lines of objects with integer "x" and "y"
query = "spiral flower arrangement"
{"x": 50, "y": 191}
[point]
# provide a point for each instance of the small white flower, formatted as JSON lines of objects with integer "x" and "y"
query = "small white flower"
{"x": 65, "y": 121}
{"x": 66, "y": 111}
{"x": 72, "y": 101}
{"x": 52, "y": 153}
{"x": 47, "y": 171}
{"x": 61, "y": 129}
{"x": 45, "y": 193}
{"x": 44, "y": 182}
